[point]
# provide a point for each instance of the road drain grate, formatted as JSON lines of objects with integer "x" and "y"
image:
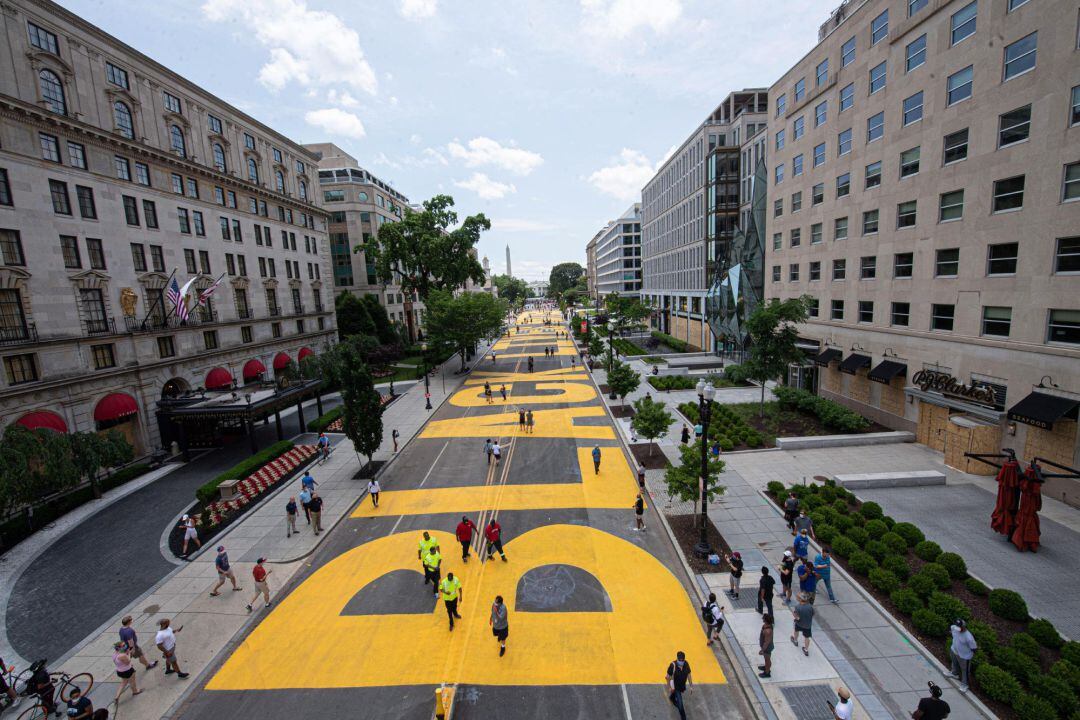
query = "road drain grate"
{"x": 810, "y": 702}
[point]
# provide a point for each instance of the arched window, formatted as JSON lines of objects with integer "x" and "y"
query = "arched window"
{"x": 177, "y": 138}
{"x": 303, "y": 190}
{"x": 279, "y": 181}
{"x": 52, "y": 91}
{"x": 253, "y": 171}
{"x": 219, "y": 157}
{"x": 122, "y": 117}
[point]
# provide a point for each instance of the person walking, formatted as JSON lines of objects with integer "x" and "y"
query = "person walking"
{"x": 493, "y": 535}
{"x": 735, "y": 562}
{"x": 166, "y": 643}
{"x": 124, "y": 670}
{"x": 765, "y": 592}
{"x": 308, "y": 483}
{"x": 315, "y": 506}
{"x": 521, "y": 419}
{"x": 679, "y": 681}
{"x": 596, "y": 459}
{"x": 685, "y": 435}
{"x": 804, "y": 523}
{"x": 808, "y": 580}
{"x": 374, "y": 489}
{"x": 130, "y": 638}
{"x": 492, "y": 357}
{"x": 394, "y": 435}
{"x": 224, "y": 572}
{"x": 80, "y": 707}
{"x": 487, "y": 450}
{"x": 500, "y": 623}
{"x": 641, "y": 477}
{"x": 433, "y": 568}
{"x": 487, "y": 393}
{"x": 698, "y": 430}
{"x": 451, "y": 591}
{"x": 426, "y": 545}
{"x": 529, "y": 423}
{"x": 713, "y": 615}
{"x": 305, "y": 502}
{"x": 823, "y": 568}
{"x": 787, "y": 573}
{"x": 502, "y": 391}
{"x": 844, "y": 707}
{"x": 530, "y": 363}
{"x": 191, "y": 534}
{"x": 573, "y": 361}
{"x": 933, "y": 707}
{"x": 464, "y": 534}
{"x": 961, "y": 650}
{"x": 791, "y": 511}
{"x": 801, "y": 545}
{"x": 766, "y": 645}
{"x": 496, "y": 452}
{"x": 291, "y": 512}
{"x": 803, "y": 613}
{"x": 262, "y": 587}
{"x": 639, "y": 513}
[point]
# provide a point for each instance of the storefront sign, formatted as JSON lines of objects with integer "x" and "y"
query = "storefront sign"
{"x": 932, "y": 380}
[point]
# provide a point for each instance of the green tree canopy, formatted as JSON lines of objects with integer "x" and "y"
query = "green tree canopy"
{"x": 625, "y": 311}
{"x": 773, "y": 334}
{"x": 353, "y": 317}
{"x": 651, "y": 419}
{"x": 384, "y": 329}
{"x": 362, "y": 416}
{"x": 682, "y": 479}
{"x": 458, "y": 323}
{"x": 563, "y": 277}
{"x": 622, "y": 379}
{"x": 513, "y": 290}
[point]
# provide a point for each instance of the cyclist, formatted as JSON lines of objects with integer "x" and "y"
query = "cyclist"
{"x": 6, "y": 690}
{"x": 324, "y": 446}
{"x": 41, "y": 684}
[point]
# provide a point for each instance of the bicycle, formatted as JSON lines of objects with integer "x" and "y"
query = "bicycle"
{"x": 63, "y": 684}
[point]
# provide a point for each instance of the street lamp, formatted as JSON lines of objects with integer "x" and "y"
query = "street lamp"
{"x": 427, "y": 380}
{"x": 610, "y": 356}
{"x": 706, "y": 392}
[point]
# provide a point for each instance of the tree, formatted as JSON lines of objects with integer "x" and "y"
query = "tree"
{"x": 353, "y": 317}
{"x": 457, "y": 324}
{"x": 773, "y": 334}
{"x": 651, "y": 420}
{"x": 563, "y": 277}
{"x": 622, "y": 379}
{"x": 625, "y": 311}
{"x": 362, "y": 415}
{"x": 683, "y": 479}
{"x": 384, "y": 329}
{"x": 511, "y": 289}
{"x": 596, "y": 345}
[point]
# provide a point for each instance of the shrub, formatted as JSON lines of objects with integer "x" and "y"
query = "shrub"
{"x": 949, "y": 607}
{"x": 998, "y": 684}
{"x": 930, "y": 623}
{"x": 871, "y": 511}
{"x": 1065, "y": 670}
{"x": 909, "y": 532}
{"x": 985, "y": 636}
{"x": 825, "y": 533}
{"x": 954, "y": 564}
{"x": 840, "y": 506}
{"x": 674, "y": 343}
{"x": 123, "y": 475}
{"x": 922, "y": 584}
{"x": 889, "y": 522}
{"x": 862, "y": 562}
{"x": 928, "y": 550}
{"x": 844, "y": 546}
{"x": 823, "y": 516}
{"x": 875, "y": 529}
{"x": 895, "y": 543}
{"x": 884, "y": 580}
{"x": 1008, "y": 604}
{"x": 725, "y": 443}
{"x": 843, "y": 523}
{"x": 324, "y": 421}
{"x": 976, "y": 587}
{"x": 755, "y": 439}
{"x": 938, "y": 574}
{"x": 1045, "y": 633}
{"x": 775, "y": 488}
{"x": 1017, "y": 663}
{"x": 906, "y": 600}
{"x": 736, "y": 374}
{"x": 877, "y": 549}
{"x": 1026, "y": 644}
{"x": 1033, "y": 706}
{"x": 207, "y": 492}
{"x": 858, "y": 535}
{"x": 828, "y": 491}
{"x": 831, "y": 414}
{"x": 1071, "y": 651}
{"x": 897, "y": 565}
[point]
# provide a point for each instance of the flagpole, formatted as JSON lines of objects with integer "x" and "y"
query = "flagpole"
{"x": 158, "y": 299}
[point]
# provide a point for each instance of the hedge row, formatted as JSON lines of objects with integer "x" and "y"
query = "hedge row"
{"x": 208, "y": 491}
{"x": 674, "y": 343}
{"x": 725, "y": 426}
{"x": 324, "y": 421}
{"x": 832, "y": 414}
{"x": 625, "y": 347}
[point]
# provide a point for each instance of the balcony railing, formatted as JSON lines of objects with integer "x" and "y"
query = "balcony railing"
{"x": 244, "y": 313}
{"x": 19, "y": 335}
{"x": 275, "y": 311}
{"x": 298, "y": 308}
{"x": 100, "y": 326}
{"x": 152, "y": 323}
{"x": 318, "y": 307}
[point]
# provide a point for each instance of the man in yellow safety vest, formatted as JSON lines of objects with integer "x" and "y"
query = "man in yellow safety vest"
{"x": 451, "y": 593}
{"x": 433, "y": 569}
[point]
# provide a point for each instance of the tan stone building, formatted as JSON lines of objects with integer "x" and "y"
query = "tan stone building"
{"x": 590, "y": 264}
{"x": 925, "y": 192}
{"x": 117, "y": 176}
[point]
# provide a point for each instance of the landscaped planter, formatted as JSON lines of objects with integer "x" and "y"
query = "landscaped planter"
{"x": 254, "y": 485}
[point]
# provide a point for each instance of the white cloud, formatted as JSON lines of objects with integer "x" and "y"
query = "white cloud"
{"x": 417, "y": 9}
{"x": 434, "y": 157}
{"x": 482, "y": 151}
{"x": 415, "y": 139}
{"x": 485, "y": 187}
{"x": 625, "y": 177}
{"x": 308, "y": 47}
{"x": 382, "y": 159}
{"x": 342, "y": 98}
{"x": 336, "y": 122}
{"x": 522, "y": 225}
{"x": 620, "y": 18}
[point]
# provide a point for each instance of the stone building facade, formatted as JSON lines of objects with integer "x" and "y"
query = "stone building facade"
{"x": 617, "y": 255}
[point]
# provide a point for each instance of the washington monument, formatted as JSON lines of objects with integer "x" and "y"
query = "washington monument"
{"x": 508, "y": 273}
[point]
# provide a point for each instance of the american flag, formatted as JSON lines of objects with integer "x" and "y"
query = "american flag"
{"x": 205, "y": 294}
{"x": 174, "y": 296}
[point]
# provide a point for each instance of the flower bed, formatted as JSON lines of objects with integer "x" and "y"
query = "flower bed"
{"x": 257, "y": 483}
{"x": 1022, "y": 669}
{"x": 686, "y": 382}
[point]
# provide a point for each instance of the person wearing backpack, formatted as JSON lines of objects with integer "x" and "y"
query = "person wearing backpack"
{"x": 713, "y": 615}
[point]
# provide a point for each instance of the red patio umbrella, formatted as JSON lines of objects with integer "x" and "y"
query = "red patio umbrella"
{"x": 1026, "y": 535}
{"x": 1003, "y": 519}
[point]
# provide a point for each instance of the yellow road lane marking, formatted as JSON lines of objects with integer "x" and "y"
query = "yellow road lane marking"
{"x": 479, "y": 377}
{"x": 555, "y": 423}
{"x": 473, "y": 396}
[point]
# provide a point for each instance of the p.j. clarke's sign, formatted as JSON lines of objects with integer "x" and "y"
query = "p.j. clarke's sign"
{"x": 939, "y": 382}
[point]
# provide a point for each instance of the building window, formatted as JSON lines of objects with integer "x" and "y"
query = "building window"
{"x": 197, "y": 220}
{"x": 866, "y": 311}
{"x": 213, "y": 123}
{"x": 50, "y": 148}
{"x": 1074, "y": 112}
{"x": 909, "y": 162}
{"x": 1064, "y": 327}
{"x": 1071, "y": 189}
{"x": 184, "y": 221}
{"x": 138, "y": 257}
{"x": 275, "y": 329}
{"x": 157, "y": 258}
{"x": 150, "y": 213}
{"x": 69, "y": 248}
{"x": 171, "y": 102}
{"x": 223, "y": 222}
{"x": 903, "y": 264}
{"x": 796, "y": 237}
{"x": 219, "y": 157}
{"x": 192, "y": 188}
{"x": 821, "y": 113}
{"x": 942, "y": 317}
{"x": 241, "y": 265}
{"x": 1020, "y": 56}
{"x": 777, "y": 241}
{"x": 947, "y": 263}
{"x": 915, "y": 53}
{"x": 189, "y": 260}
{"x": 798, "y": 128}
{"x": 817, "y": 194}
{"x": 815, "y": 235}
{"x": 210, "y": 339}
{"x": 843, "y": 185}
{"x": 85, "y": 196}
{"x": 905, "y": 214}
{"x": 901, "y": 314}
{"x": 797, "y": 165}
{"x": 249, "y": 141}
{"x": 793, "y": 273}
{"x": 76, "y": 155}
{"x": 796, "y": 201}
{"x": 279, "y": 181}
{"x": 122, "y": 119}
{"x": 253, "y": 171}
{"x": 245, "y": 333}
{"x": 123, "y": 168}
{"x": 840, "y": 228}
{"x": 96, "y": 253}
{"x": 800, "y": 89}
{"x": 230, "y": 199}
{"x": 847, "y": 97}
{"x": 42, "y": 39}
{"x": 204, "y": 262}
{"x": 165, "y": 347}
{"x": 815, "y": 270}
{"x": 913, "y": 108}
{"x": 819, "y": 155}
{"x": 812, "y": 307}
{"x": 843, "y": 142}
{"x": 237, "y": 236}
{"x": 780, "y": 134}
{"x": 956, "y": 146}
{"x": 951, "y": 206}
{"x": 958, "y": 86}
{"x": 142, "y": 174}
{"x": 875, "y": 127}
{"x": 5, "y": 188}
{"x": 52, "y": 92}
{"x": 176, "y": 140}
{"x": 20, "y": 369}
{"x": 873, "y": 175}
{"x": 1014, "y": 126}
{"x": 839, "y": 269}
{"x": 837, "y": 310}
{"x": 847, "y": 53}
{"x": 821, "y": 73}
{"x": 177, "y": 184}
{"x": 996, "y": 321}
{"x": 776, "y": 273}
{"x": 1067, "y": 255}
{"x": 103, "y": 356}
{"x": 60, "y": 201}
{"x": 1001, "y": 258}
{"x": 878, "y": 75}
{"x": 1009, "y": 194}
{"x": 870, "y": 222}
{"x": 879, "y": 28}
{"x": 778, "y": 207}
{"x": 778, "y": 173}
{"x": 963, "y": 22}
{"x": 868, "y": 267}
{"x": 303, "y": 190}
{"x": 131, "y": 210}
{"x": 781, "y": 105}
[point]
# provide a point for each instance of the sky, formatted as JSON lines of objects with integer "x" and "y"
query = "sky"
{"x": 548, "y": 116}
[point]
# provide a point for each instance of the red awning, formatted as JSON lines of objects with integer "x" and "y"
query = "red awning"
{"x": 218, "y": 378}
{"x": 115, "y": 407}
{"x": 304, "y": 352}
{"x": 253, "y": 369}
{"x": 281, "y": 360}
{"x": 43, "y": 419}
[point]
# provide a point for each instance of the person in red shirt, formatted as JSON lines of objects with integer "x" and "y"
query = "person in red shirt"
{"x": 493, "y": 533}
{"x": 259, "y": 573}
{"x": 465, "y": 530}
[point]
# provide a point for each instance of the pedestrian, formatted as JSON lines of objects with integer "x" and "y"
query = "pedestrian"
{"x": 496, "y": 452}
{"x": 639, "y": 513}
{"x": 394, "y": 435}
{"x": 685, "y": 437}
{"x": 787, "y": 573}
{"x": 678, "y": 682}
{"x": 844, "y": 707}
{"x": 374, "y": 489}
{"x": 765, "y": 592}
{"x": 713, "y": 615}
{"x": 124, "y": 670}
{"x": 487, "y": 450}
{"x": 464, "y": 533}
{"x": 323, "y": 447}
{"x": 766, "y": 645}
{"x": 804, "y": 523}
{"x": 529, "y": 423}
{"x": 801, "y": 545}
{"x": 166, "y": 643}
{"x": 698, "y": 429}
{"x": 596, "y": 459}
{"x": 545, "y": 351}
{"x": 961, "y": 651}
{"x": 262, "y": 587}
{"x": 530, "y": 363}
{"x": 315, "y": 506}
{"x": 130, "y": 638}
{"x": 791, "y": 511}
{"x": 290, "y": 517}
{"x": 933, "y": 707}
{"x": 433, "y": 568}
{"x": 804, "y": 622}
{"x": 807, "y": 580}
{"x": 307, "y": 482}
{"x": 715, "y": 449}
{"x": 493, "y": 534}
{"x": 41, "y": 684}
{"x": 500, "y": 623}
{"x": 487, "y": 393}
{"x": 735, "y": 562}
{"x": 224, "y": 571}
{"x": 427, "y": 544}
{"x": 451, "y": 594}
{"x": 573, "y": 361}
{"x": 641, "y": 477}
{"x": 191, "y": 534}
{"x": 502, "y": 391}
{"x": 823, "y": 568}
{"x": 521, "y": 419}
{"x": 79, "y": 707}
{"x": 305, "y": 502}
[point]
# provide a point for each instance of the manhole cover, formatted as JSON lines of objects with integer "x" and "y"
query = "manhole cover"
{"x": 810, "y": 702}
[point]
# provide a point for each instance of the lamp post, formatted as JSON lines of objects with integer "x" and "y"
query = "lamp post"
{"x": 610, "y": 356}
{"x": 427, "y": 380}
{"x": 705, "y": 392}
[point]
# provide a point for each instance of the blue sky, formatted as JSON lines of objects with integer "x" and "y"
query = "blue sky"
{"x": 546, "y": 115}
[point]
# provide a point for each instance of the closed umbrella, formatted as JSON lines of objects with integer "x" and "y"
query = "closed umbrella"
{"x": 1026, "y": 535}
{"x": 1003, "y": 519}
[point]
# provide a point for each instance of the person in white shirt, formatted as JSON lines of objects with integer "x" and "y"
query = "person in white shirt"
{"x": 844, "y": 708}
{"x": 166, "y": 643}
{"x": 961, "y": 651}
{"x": 374, "y": 490}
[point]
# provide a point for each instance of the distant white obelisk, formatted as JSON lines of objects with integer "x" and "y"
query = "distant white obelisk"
{"x": 508, "y": 273}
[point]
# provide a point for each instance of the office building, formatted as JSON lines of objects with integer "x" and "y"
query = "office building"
{"x": 590, "y": 264}
{"x": 618, "y": 255}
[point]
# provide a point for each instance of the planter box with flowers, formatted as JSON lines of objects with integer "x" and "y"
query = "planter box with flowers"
{"x": 248, "y": 489}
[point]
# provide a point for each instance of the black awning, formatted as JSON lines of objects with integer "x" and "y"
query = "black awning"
{"x": 854, "y": 362}
{"x": 886, "y": 370}
{"x": 1042, "y": 410}
{"x": 828, "y": 356}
